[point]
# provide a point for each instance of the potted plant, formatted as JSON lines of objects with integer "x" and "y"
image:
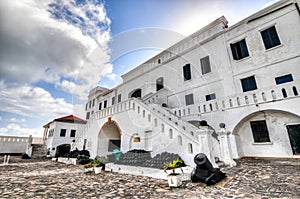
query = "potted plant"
{"x": 174, "y": 178}
{"x": 99, "y": 164}
{"x": 88, "y": 168}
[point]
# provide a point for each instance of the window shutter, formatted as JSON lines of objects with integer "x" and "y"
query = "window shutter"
{"x": 234, "y": 52}
{"x": 205, "y": 65}
{"x": 187, "y": 72}
{"x": 244, "y": 49}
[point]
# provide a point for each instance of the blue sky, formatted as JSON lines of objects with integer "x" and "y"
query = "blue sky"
{"x": 53, "y": 52}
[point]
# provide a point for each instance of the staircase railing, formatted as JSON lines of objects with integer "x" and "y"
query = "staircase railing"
{"x": 78, "y": 139}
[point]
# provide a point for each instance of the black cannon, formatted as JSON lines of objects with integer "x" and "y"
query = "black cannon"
{"x": 205, "y": 172}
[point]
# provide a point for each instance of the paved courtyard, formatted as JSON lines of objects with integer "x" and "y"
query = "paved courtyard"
{"x": 46, "y": 179}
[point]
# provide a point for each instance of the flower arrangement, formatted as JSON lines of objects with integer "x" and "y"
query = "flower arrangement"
{"x": 177, "y": 163}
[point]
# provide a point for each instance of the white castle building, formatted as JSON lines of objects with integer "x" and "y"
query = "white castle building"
{"x": 243, "y": 81}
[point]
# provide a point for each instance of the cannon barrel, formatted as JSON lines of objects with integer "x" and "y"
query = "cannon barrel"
{"x": 205, "y": 172}
{"x": 202, "y": 162}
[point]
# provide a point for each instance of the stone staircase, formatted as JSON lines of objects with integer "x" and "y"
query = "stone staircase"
{"x": 39, "y": 151}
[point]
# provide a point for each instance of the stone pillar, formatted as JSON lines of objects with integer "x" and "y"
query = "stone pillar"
{"x": 205, "y": 136}
{"x": 225, "y": 147}
{"x": 29, "y": 146}
{"x": 45, "y": 133}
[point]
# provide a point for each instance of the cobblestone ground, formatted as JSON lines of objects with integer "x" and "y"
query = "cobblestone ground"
{"x": 46, "y": 179}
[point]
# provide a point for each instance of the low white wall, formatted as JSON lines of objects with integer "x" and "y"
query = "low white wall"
{"x": 12, "y": 144}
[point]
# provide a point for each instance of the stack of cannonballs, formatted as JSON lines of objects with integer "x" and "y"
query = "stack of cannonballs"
{"x": 143, "y": 158}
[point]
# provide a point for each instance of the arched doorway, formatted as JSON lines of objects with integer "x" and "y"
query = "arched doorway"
{"x": 109, "y": 138}
{"x": 136, "y": 93}
{"x": 63, "y": 150}
{"x": 268, "y": 133}
{"x": 159, "y": 83}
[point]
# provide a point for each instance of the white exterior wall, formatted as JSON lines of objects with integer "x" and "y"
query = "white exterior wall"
{"x": 279, "y": 141}
{"x": 232, "y": 106}
{"x": 132, "y": 123}
{"x": 55, "y": 140}
{"x": 13, "y": 144}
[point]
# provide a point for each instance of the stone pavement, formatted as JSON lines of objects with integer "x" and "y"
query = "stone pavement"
{"x": 252, "y": 178}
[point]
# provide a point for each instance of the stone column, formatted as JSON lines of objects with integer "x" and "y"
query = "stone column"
{"x": 205, "y": 136}
{"x": 225, "y": 147}
{"x": 29, "y": 146}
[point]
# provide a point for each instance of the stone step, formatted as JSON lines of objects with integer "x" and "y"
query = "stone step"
{"x": 39, "y": 150}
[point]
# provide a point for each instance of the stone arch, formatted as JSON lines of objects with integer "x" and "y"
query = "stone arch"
{"x": 137, "y": 93}
{"x": 62, "y": 150}
{"x": 109, "y": 138}
{"x": 276, "y": 122}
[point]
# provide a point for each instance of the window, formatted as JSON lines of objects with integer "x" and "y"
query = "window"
{"x": 270, "y": 37}
{"x": 90, "y": 104}
{"x": 295, "y": 91}
{"x": 73, "y": 133}
{"x": 51, "y": 132}
{"x": 179, "y": 140}
{"x": 187, "y": 72}
{"x": 105, "y": 104}
{"x": 113, "y": 144}
{"x": 248, "y": 84}
{"x": 87, "y": 115}
{"x": 189, "y": 99}
{"x": 159, "y": 83}
{"x": 119, "y": 98}
{"x": 284, "y": 79}
{"x": 93, "y": 102}
{"x": 210, "y": 97}
{"x": 86, "y": 106}
{"x": 170, "y": 133}
{"x": 205, "y": 65}
{"x": 239, "y": 50}
{"x": 190, "y": 148}
{"x": 137, "y": 93}
{"x": 63, "y": 132}
{"x": 100, "y": 106}
{"x": 260, "y": 131}
{"x": 113, "y": 101}
{"x": 162, "y": 128}
{"x": 284, "y": 94}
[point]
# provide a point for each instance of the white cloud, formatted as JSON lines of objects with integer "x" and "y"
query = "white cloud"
{"x": 15, "y": 120}
{"x": 19, "y": 131}
{"x": 36, "y": 46}
{"x": 66, "y": 86}
{"x": 32, "y": 101}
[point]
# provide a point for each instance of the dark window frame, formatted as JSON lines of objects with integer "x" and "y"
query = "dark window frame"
{"x": 187, "y": 74}
{"x": 105, "y": 104}
{"x": 73, "y": 133}
{"x": 205, "y": 65}
{"x": 211, "y": 96}
{"x": 260, "y": 131}
{"x": 239, "y": 50}
{"x": 249, "y": 84}
{"x": 119, "y": 98}
{"x": 113, "y": 100}
{"x": 159, "y": 83}
{"x": 270, "y": 37}
{"x": 63, "y": 132}
{"x": 189, "y": 99}
{"x": 284, "y": 79}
